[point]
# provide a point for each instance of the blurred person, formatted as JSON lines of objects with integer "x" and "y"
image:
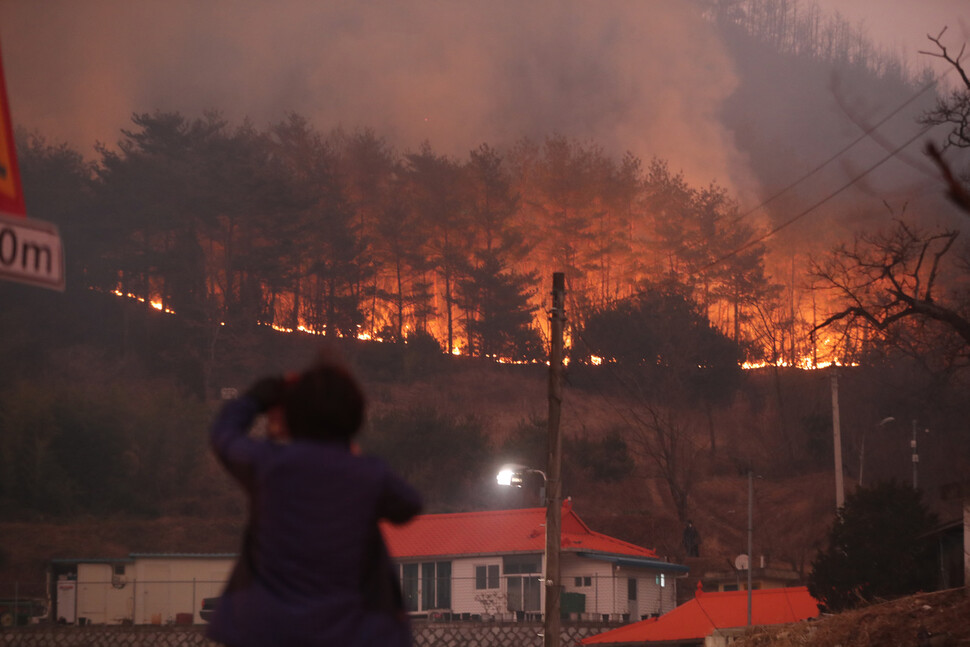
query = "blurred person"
{"x": 692, "y": 540}
{"x": 313, "y": 569}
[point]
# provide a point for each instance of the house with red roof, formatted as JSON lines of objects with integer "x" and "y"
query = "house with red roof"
{"x": 471, "y": 566}
{"x": 713, "y": 614}
{"x": 490, "y": 565}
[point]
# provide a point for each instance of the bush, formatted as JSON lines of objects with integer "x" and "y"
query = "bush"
{"x": 876, "y": 549}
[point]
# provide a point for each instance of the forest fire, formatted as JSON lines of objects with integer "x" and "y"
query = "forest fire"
{"x": 823, "y": 356}
{"x": 805, "y": 364}
{"x": 155, "y": 303}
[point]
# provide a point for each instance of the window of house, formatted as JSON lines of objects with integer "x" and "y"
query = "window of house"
{"x": 524, "y": 593}
{"x": 631, "y": 588}
{"x": 661, "y": 580}
{"x": 523, "y": 588}
{"x": 118, "y": 569}
{"x": 585, "y": 580}
{"x": 519, "y": 564}
{"x": 486, "y": 577}
{"x": 443, "y": 585}
{"x": 409, "y": 586}
{"x": 426, "y": 586}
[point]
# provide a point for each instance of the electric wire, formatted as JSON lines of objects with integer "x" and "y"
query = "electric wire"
{"x": 864, "y": 135}
{"x": 771, "y": 232}
{"x": 821, "y": 165}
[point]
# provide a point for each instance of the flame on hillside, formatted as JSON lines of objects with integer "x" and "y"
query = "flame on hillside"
{"x": 805, "y": 364}
{"x": 824, "y": 356}
{"x": 155, "y": 303}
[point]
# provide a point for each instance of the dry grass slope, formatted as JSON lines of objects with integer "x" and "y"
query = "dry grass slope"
{"x": 939, "y": 619}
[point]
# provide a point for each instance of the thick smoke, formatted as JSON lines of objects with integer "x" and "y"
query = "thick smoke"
{"x": 654, "y": 78}
{"x": 641, "y": 76}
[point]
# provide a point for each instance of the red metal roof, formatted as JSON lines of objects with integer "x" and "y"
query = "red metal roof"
{"x": 497, "y": 532}
{"x": 709, "y": 611}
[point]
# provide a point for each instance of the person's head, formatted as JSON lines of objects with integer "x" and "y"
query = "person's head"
{"x": 324, "y": 403}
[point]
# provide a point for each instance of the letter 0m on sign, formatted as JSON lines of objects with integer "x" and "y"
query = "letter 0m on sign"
{"x": 30, "y": 250}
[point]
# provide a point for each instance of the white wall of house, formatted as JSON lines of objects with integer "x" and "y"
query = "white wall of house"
{"x": 608, "y": 589}
{"x": 159, "y": 589}
{"x": 481, "y": 586}
{"x": 98, "y": 601}
{"x": 148, "y": 590}
{"x": 596, "y": 581}
{"x": 471, "y": 591}
{"x": 476, "y": 597}
{"x": 655, "y": 594}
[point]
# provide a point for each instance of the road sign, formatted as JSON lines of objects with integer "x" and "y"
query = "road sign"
{"x": 31, "y": 252}
{"x": 11, "y": 193}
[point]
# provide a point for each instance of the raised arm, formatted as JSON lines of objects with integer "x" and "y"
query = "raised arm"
{"x": 399, "y": 501}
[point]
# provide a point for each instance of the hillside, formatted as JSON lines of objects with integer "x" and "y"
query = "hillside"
{"x": 939, "y": 619}
{"x": 449, "y": 423}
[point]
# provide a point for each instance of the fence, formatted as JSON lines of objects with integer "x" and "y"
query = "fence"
{"x": 432, "y": 593}
{"x": 424, "y": 634}
{"x": 503, "y": 628}
{"x": 19, "y": 607}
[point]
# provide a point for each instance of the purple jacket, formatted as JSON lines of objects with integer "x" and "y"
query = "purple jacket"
{"x": 313, "y": 569}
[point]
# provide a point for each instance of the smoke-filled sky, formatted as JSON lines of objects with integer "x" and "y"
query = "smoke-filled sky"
{"x": 646, "y": 76}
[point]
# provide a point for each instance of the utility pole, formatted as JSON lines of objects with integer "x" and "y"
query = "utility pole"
{"x": 915, "y": 459}
{"x": 837, "y": 441}
{"x": 553, "y": 586}
{"x": 750, "y": 537}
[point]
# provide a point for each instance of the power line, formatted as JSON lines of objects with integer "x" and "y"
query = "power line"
{"x": 865, "y": 134}
{"x": 819, "y": 203}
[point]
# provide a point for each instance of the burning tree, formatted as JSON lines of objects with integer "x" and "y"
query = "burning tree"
{"x": 668, "y": 356}
{"x": 888, "y": 278}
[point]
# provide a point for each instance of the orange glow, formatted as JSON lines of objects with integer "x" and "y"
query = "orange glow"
{"x": 825, "y": 354}
{"x": 804, "y": 364}
{"x": 155, "y": 303}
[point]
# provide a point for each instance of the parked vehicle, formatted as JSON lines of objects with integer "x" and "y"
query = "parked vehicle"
{"x": 208, "y": 608}
{"x": 21, "y": 611}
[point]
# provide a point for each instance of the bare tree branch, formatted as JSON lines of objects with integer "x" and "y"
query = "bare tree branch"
{"x": 955, "y": 62}
{"x": 888, "y": 278}
{"x": 955, "y": 189}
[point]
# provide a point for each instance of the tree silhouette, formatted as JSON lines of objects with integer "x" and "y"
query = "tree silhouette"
{"x": 952, "y": 111}
{"x": 325, "y": 246}
{"x": 888, "y": 279}
{"x": 435, "y": 194}
{"x": 661, "y": 329}
{"x": 876, "y": 549}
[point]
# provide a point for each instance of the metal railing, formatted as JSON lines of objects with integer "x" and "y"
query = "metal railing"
{"x": 508, "y": 598}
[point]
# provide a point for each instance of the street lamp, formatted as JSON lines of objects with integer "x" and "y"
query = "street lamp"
{"x": 514, "y": 476}
{"x": 912, "y": 444}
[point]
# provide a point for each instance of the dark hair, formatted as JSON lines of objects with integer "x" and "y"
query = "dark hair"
{"x": 324, "y": 403}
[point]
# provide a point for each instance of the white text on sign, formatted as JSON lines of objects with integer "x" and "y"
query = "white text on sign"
{"x": 31, "y": 252}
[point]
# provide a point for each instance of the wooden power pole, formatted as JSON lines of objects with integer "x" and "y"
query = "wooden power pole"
{"x": 837, "y": 441}
{"x": 553, "y": 586}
